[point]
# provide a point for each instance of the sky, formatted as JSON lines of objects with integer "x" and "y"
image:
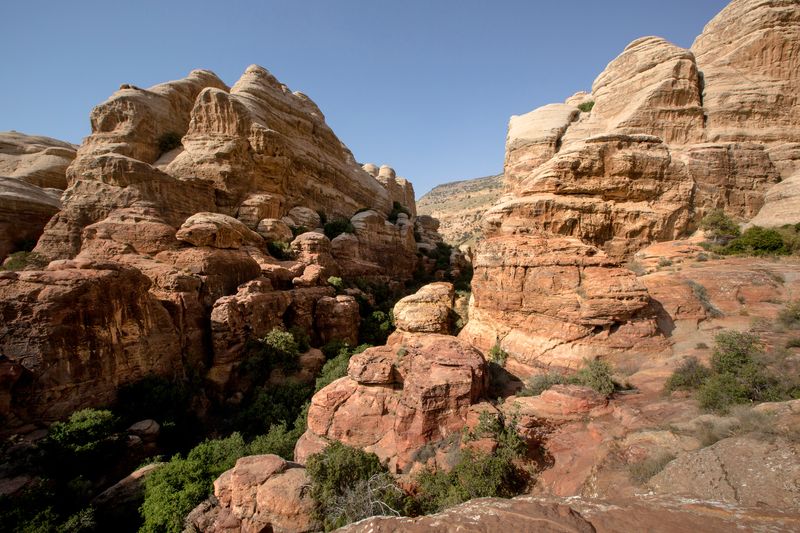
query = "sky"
{"x": 426, "y": 86}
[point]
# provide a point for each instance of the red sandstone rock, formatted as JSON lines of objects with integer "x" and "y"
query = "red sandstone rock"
{"x": 260, "y": 493}
{"x": 397, "y": 399}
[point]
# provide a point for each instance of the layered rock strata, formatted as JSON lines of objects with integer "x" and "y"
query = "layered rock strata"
{"x": 666, "y": 136}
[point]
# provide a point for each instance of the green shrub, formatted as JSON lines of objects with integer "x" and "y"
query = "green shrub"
{"x": 336, "y": 282}
{"x": 536, "y": 385}
{"x": 279, "y": 440}
{"x": 739, "y": 375}
{"x": 177, "y": 487}
{"x": 298, "y": 230}
{"x": 701, "y": 294}
{"x": 597, "y": 375}
{"x": 757, "y": 241}
{"x": 152, "y": 397}
{"x": 24, "y": 260}
{"x": 721, "y": 391}
{"x": 586, "y": 106}
{"x": 301, "y": 338}
{"x": 335, "y": 473}
{"x": 336, "y": 367}
{"x": 498, "y": 355}
{"x": 376, "y": 328}
{"x": 734, "y": 350}
{"x": 689, "y": 375}
{"x": 85, "y": 430}
{"x": 477, "y": 475}
{"x": 642, "y": 471}
{"x": 338, "y": 226}
{"x": 789, "y": 316}
{"x": 270, "y": 405}
{"x": 397, "y": 208}
{"x": 280, "y": 250}
{"x": 664, "y": 262}
{"x": 323, "y": 218}
{"x": 794, "y": 342}
{"x": 333, "y": 348}
{"x": 278, "y": 349}
{"x": 719, "y": 227}
{"x": 168, "y": 141}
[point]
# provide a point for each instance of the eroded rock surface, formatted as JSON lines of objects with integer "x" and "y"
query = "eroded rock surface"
{"x": 398, "y": 400}
{"x": 260, "y": 493}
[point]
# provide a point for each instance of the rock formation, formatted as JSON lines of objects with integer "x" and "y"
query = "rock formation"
{"x": 578, "y": 515}
{"x": 671, "y": 135}
{"x": 399, "y": 401}
{"x": 162, "y": 234}
{"x": 260, "y": 493}
{"x": 32, "y": 177}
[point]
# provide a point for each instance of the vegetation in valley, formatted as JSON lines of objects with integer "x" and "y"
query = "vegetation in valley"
{"x": 595, "y": 373}
{"x": 740, "y": 373}
{"x": 725, "y": 237}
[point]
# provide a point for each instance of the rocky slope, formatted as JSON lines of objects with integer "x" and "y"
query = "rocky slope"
{"x": 459, "y": 207}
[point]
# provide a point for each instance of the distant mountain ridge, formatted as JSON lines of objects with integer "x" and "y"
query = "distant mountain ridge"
{"x": 459, "y": 206}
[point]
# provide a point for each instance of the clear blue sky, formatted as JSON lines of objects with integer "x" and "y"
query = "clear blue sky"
{"x": 424, "y": 85}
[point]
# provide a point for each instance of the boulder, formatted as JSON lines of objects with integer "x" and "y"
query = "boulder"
{"x": 216, "y": 230}
{"x": 725, "y": 472}
{"x": 429, "y": 310}
{"x": 260, "y": 493}
{"x": 337, "y": 318}
{"x": 274, "y": 230}
{"x": 76, "y": 332}
{"x": 554, "y": 301}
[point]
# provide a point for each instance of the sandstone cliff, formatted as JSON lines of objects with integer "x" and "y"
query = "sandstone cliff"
{"x": 668, "y": 135}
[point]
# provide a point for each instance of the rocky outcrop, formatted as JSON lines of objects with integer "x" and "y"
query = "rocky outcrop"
{"x": 39, "y": 161}
{"x": 399, "y": 401}
{"x": 260, "y": 493}
{"x": 553, "y": 301}
{"x": 725, "y": 472}
{"x": 748, "y": 54}
{"x": 459, "y": 206}
{"x": 32, "y": 176}
{"x": 337, "y": 318}
{"x": 144, "y": 123}
{"x": 376, "y": 248}
{"x": 216, "y": 230}
{"x": 400, "y": 189}
{"x": 25, "y": 209}
{"x": 578, "y": 515}
{"x": 80, "y": 330}
{"x": 176, "y": 197}
{"x": 262, "y": 138}
{"x": 671, "y": 134}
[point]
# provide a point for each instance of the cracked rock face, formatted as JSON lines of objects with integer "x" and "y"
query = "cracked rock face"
{"x": 742, "y": 470}
{"x": 554, "y": 301}
{"x": 398, "y": 400}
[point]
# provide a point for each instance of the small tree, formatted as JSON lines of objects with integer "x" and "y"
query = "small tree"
{"x": 349, "y": 484}
{"x": 719, "y": 227}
